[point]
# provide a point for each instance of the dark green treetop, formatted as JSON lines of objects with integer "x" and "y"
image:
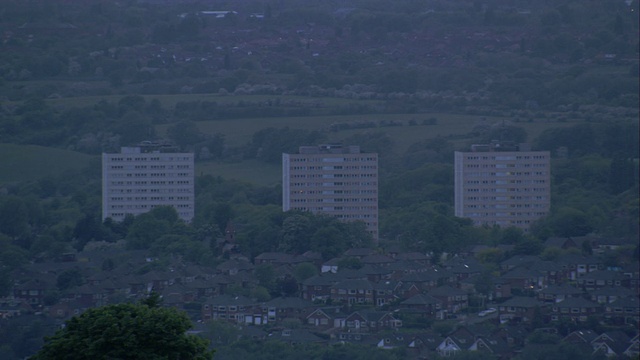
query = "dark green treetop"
{"x": 126, "y": 331}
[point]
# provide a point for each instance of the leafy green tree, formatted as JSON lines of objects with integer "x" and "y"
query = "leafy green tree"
{"x": 528, "y": 246}
{"x": 147, "y": 228}
{"x": 484, "y": 283}
{"x": 87, "y": 229}
{"x": 11, "y": 256}
{"x": 372, "y": 141}
{"x": 269, "y": 144}
{"x": 222, "y": 333}
{"x": 260, "y": 293}
{"x": 505, "y": 132}
{"x": 490, "y": 256}
{"x": 184, "y": 133}
{"x": 551, "y": 253}
{"x": 304, "y": 271}
{"x": 174, "y": 243}
{"x": 134, "y": 127}
{"x": 512, "y": 235}
{"x": 579, "y": 139}
{"x": 144, "y": 231}
{"x": 69, "y": 278}
{"x": 560, "y": 351}
{"x": 14, "y": 216}
{"x": 296, "y": 230}
{"x": 266, "y": 276}
{"x": 126, "y": 331}
{"x": 287, "y": 286}
{"x": 350, "y": 263}
{"x": 568, "y": 221}
{"x": 622, "y": 174}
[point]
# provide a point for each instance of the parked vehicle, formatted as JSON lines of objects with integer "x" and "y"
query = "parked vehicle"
{"x": 487, "y": 312}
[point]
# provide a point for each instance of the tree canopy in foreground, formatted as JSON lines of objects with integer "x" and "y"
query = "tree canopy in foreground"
{"x": 126, "y": 331}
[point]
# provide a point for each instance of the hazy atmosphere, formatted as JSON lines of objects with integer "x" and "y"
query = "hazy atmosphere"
{"x": 290, "y": 179}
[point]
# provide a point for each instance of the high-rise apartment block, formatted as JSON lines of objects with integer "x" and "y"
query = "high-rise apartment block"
{"x": 502, "y": 184}
{"x": 335, "y": 180}
{"x": 140, "y": 178}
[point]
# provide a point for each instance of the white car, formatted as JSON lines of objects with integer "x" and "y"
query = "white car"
{"x": 487, "y": 312}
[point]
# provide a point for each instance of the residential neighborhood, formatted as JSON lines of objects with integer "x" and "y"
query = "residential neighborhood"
{"x": 389, "y": 300}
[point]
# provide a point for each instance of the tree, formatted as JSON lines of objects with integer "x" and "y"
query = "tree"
{"x": 184, "y": 133}
{"x": 13, "y": 217}
{"x": 266, "y": 276}
{"x": 69, "y": 278}
{"x": 126, "y": 331}
{"x": 568, "y": 221}
{"x": 621, "y": 174}
{"x": 87, "y": 229}
{"x": 305, "y": 270}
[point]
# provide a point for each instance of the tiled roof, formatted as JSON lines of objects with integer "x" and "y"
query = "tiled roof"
{"x": 522, "y": 301}
{"x": 612, "y": 291}
{"x": 521, "y": 273}
{"x": 353, "y": 284}
{"x": 576, "y": 303}
{"x": 520, "y": 260}
{"x": 446, "y": 290}
{"x": 326, "y": 279}
{"x": 359, "y": 252}
{"x": 421, "y": 299}
{"x": 575, "y": 259}
{"x": 603, "y": 275}
{"x": 625, "y": 302}
{"x": 289, "y": 303}
{"x": 564, "y": 289}
{"x": 377, "y": 259}
{"x": 229, "y": 300}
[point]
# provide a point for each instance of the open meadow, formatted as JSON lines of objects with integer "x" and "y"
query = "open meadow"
{"x": 239, "y": 131}
{"x": 21, "y": 163}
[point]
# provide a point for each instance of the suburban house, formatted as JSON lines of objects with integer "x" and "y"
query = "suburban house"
{"x": 234, "y": 309}
{"x": 326, "y": 318}
{"x": 519, "y": 309}
{"x": 281, "y": 308}
{"x": 353, "y": 291}
{"x": 625, "y": 310}
{"x": 602, "y": 278}
{"x": 575, "y": 309}
{"x": 557, "y": 293}
{"x": 453, "y": 300}
{"x": 423, "y": 305}
{"x": 372, "y": 321}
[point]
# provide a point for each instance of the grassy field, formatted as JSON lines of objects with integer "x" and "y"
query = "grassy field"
{"x": 20, "y": 163}
{"x": 250, "y": 171}
{"x": 239, "y": 131}
{"x": 170, "y": 101}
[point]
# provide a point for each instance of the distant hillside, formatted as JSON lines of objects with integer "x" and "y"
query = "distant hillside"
{"x": 29, "y": 162}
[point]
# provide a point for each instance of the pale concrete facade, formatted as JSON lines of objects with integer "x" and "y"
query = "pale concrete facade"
{"x": 138, "y": 179}
{"x": 502, "y": 184}
{"x": 335, "y": 180}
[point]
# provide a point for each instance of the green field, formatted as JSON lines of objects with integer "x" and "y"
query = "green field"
{"x": 20, "y": 163}
{"x": 239, "y": 131}
{"x": 169, "y": 101}
{"x": 250, "y": 171}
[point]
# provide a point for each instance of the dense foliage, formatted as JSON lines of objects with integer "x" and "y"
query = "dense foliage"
{"x": 126, "y": 331}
